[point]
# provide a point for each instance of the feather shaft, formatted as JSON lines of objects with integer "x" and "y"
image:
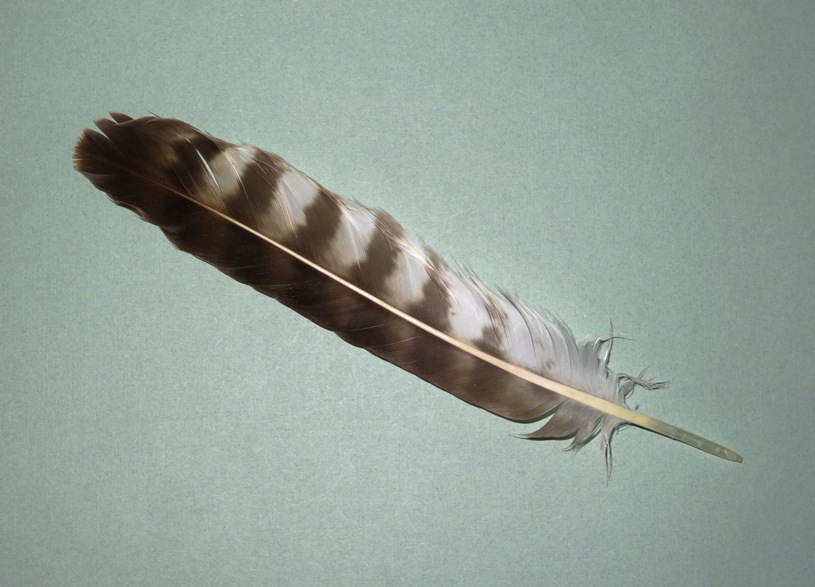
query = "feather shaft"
{"x": 625, "y": 414}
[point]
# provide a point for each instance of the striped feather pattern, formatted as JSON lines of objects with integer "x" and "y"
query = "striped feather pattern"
{"x": 354, "y": 270}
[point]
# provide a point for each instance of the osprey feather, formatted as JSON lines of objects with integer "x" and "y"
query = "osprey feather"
{"x": 355, "y": 271}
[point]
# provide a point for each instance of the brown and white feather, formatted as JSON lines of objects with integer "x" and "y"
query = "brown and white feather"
{"x": 354, "y": 270}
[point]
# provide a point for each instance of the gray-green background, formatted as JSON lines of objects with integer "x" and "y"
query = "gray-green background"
{"x": 649, "y": 163}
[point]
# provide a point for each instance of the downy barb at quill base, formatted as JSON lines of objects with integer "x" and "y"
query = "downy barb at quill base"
{"x": 355, "y": 271}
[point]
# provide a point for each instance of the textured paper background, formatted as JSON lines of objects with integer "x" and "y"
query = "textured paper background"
{"x": 649, "y": 163}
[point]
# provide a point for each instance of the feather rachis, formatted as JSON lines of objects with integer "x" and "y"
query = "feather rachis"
{"x": 356, "y": 271}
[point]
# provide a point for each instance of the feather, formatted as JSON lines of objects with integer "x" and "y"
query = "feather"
{"x": 355, "y": 271}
